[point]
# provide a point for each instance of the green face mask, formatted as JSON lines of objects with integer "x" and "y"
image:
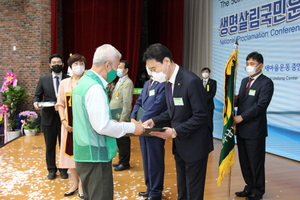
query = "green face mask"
{"x": 111, "y": 75}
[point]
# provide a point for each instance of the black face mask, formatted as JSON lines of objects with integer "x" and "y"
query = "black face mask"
{"x": 57, "y": 68}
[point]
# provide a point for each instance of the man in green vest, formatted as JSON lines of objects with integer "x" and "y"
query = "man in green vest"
{"x": 94, "y": 132}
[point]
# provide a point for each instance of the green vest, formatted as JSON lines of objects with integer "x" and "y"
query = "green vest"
{"x": 88, "y": 145}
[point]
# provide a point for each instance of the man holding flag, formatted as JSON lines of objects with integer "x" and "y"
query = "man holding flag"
{"x": 254, "y": 97}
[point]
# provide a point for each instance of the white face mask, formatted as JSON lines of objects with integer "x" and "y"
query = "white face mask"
{"x": 159, "y": 77}
{"x": 119, "y": 73}
{"x": 70, "y": 72}
{"x": 78, "y": 69}
{"x": 148, "y": 71}
{"x": 205, "y": 75}
{"x": 251, "y": 70}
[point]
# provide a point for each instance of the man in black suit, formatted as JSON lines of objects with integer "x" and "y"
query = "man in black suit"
{"x": 210, "y": 87}
{"x": 187, "y": 113}
{"x": 254, "y": 97}
{"x": 46, "y": 91}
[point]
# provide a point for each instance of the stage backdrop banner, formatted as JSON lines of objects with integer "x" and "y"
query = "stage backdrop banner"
{"x": 271, "y": 28}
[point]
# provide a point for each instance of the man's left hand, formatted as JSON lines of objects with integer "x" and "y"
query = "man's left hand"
{"x": 238, "y": 119}
{"x": 164, "y": 135}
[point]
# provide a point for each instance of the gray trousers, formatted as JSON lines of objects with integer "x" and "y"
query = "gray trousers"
{"x": 97, "y": 180}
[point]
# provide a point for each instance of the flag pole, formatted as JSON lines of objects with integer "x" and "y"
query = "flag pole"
{"x": 229, "y": 185}
{"x": 236, "y": 44}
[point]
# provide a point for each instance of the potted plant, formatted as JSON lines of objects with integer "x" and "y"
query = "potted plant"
{"x": 30, "y": 123}
{"x": 3, "y": 111}
{"x": 12, "y": 95}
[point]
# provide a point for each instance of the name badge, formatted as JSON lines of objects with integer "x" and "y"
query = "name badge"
{"x": 151, "y": 92}
{"x": 252, "y": 92}
{"x": 178, "y": 101}
{"x": 207, "y": 88}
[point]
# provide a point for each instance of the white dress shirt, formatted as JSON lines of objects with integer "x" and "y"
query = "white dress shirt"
{"x": 97, "y": 106}
{"x": 173, "y": 77}
{"x": 254, "y": 78}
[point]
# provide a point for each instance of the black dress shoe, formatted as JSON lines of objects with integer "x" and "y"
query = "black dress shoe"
{"x": 70, "y": 193}
{"x": 116, "y": 164}
{"x": 122, "y": 167}
{"x": 52, "y": 175}
{"x": 254, "y": 197}
{"x": 153, "y": 198}
{"x": 242, "y": 193}
{"x": 64, "y": 174}
{"x": 143, "y": 194}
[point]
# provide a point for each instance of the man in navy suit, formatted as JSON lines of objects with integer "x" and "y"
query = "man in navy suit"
{"x": 254, "y": 97}
{"x": 152, "y": 100}
{"x": 210, "y": 87}
{"x": 46, "y": 91}
{"x": 187, "y": 113}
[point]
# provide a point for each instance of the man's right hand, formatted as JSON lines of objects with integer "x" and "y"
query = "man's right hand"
{"x": 35, "y": 104}
{"x": 139, "y": 129}
{"x": 149, "y": 123}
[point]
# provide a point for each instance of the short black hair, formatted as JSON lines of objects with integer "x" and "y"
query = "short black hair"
{"x": 55, "y": 56}
{"x": 255, "y": 56}
{"x": 205, "y": 68}
{"x": 127, "y": 64}
{"x": 157, "y": 52}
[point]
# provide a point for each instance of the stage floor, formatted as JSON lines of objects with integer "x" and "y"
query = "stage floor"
{"x": 24, "y": 175}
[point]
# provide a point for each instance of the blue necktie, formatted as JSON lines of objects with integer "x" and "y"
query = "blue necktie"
{"x": 57, "y": 82}
{"x": 170, "y": 95}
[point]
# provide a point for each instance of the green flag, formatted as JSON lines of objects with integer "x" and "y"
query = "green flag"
{"x": 227, "y": 152}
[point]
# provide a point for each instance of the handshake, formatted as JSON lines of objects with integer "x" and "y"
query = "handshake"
{"x": 147, "y": 126}
{"x": 140, "y": 127}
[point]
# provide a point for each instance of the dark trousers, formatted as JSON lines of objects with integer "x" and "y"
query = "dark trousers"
{"x": 97, "y": 180}
{"x": 252, "y": 162}
{"x": 124, "y": 150}
{"x": 51, "y": 134}
{"x": 153, "y": 155}
{"x": 190, "y": 178}
{"x": 210, "y": 121}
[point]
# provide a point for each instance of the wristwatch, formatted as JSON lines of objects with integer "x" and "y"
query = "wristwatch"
{"x": 174, "y": 134}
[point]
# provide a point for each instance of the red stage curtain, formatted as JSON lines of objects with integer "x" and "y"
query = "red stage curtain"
{"x": 165, "y": 25}
{"x": 89, "y": 24}
{"x": 54, "y": 28}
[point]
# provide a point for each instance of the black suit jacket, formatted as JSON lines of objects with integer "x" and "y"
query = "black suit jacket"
{"x": 193, "y": 141}
{"x": 45, "y": 92}
{"x": 210, "y": 88}
{"x": 253, "y": 107}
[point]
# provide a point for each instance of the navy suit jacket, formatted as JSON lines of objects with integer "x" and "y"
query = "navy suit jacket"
{"x": 153, "y": 105}
{"x": 253, "y": 107}
{"x": 211, "y": 88}
{"x": 193, "y": 141}
{"x": 45, "y": 92}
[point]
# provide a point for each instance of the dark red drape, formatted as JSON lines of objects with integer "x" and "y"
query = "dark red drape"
{"x": 89, "y": 24}
{"x": 54, "y": 27}
{"x": 165, "y": 25}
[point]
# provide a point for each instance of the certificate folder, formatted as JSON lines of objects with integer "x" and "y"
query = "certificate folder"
{"x": 116, "y": 113}
{"x": 147, "y": 131}
{"x": 139, "y": 114}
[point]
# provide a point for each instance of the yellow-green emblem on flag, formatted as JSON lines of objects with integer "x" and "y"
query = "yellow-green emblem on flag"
{"x": 227, "y": 152}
